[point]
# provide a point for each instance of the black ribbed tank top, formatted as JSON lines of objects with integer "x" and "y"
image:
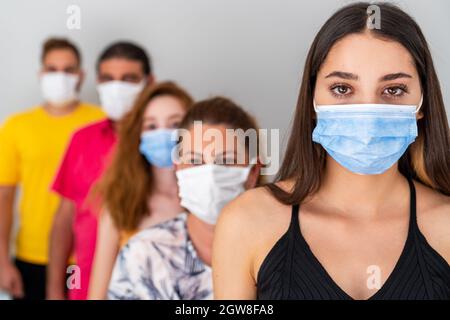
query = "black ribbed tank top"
{"x": 291, "y": 271}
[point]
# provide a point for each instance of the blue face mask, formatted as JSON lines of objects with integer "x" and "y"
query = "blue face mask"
{"x": 366, "y": 138}
{"x": 157, "y": 146}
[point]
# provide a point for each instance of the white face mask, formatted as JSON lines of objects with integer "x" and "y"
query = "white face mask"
{"x": 59, "y": 88}
{"x": 118, "y": 97}
{"x": 204, "y": 190}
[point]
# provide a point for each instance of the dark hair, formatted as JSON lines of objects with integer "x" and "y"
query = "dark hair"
{"x": 427, "y": 160}
{"x": 58, "y": 44}
{"x": 129, "y": 51}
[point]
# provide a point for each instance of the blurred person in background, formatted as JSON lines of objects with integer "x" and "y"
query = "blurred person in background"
{"x": 139, "y": 189}
{"x": 123, "y": 70}
{"x": 172, "y": 260}
{"x": 32, "y": 144}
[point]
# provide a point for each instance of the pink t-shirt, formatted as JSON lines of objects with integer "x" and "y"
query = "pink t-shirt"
{"x": 84, "y": 162}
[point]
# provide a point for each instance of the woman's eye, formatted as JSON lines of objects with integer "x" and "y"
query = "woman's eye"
{"x": 341, "y": 90}
{"x": 150, "y": 127}
{"x": 221, "y": 160}
{"x": 193, "y": 161}
{"x": 229, "y": 160}
{"x": 175, "y": 125}
{"x": 394, "y": 91}
{"x": 196, "y": 161}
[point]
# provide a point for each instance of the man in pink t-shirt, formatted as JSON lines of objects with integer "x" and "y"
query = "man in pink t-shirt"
{"x": 84, "y": 162}
{"x": 123, "y": 71}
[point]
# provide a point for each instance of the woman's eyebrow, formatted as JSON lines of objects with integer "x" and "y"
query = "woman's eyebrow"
{"x": 343, "y": 75}
{"x": 394, "y": 76}
{"x": 351, "y": 76}
{"x": 149, "y": 118}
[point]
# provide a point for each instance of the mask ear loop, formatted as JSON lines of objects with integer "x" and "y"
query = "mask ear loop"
{"x": 253, "y": 161}
{"x": 315, "y": 107}
{"x": 420, "y": 104}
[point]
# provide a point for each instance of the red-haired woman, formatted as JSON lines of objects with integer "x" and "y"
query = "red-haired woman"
{"x": 139, "y": 188}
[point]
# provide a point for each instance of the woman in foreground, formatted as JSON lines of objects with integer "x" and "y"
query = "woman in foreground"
{"x": 360, "y": 208}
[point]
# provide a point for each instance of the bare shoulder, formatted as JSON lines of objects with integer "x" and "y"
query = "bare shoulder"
{"x": 254, "y": 221}
{"x": 433, "y": 216}
{"x": 256, "y": 208}
{"x": 250, "y": 203}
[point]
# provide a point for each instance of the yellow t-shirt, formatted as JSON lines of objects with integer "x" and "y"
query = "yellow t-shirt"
{"x": 32, "y": 144}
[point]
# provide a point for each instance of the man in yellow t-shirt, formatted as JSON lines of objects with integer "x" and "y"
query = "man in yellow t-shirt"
{"x": 32, "y": 144}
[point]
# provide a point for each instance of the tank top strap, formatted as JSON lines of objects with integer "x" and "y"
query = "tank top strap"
{"x": 419, "y": 240}
{"x": 294, "y": 225}
{"x": 412, "y": 206}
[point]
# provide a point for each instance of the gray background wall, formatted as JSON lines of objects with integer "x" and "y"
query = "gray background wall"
{"x": 250, "y": 50}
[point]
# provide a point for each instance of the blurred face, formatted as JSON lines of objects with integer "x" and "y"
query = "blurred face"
{"x": 120, "y": 81}
{"x": 163, "y": 112}
{"x": 62, "y": 60}
{"x": 207, "y": 171}
{"x": 212, "y": 147}
{"x": 361, "y": 69}
{"x": 119, "y": 69}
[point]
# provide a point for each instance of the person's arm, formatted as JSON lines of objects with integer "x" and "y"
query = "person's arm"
{"x": 232, "y": 254}
{"x": 65, "y": 185}
{"x": 106, "y": 250}
{"x": 61, "y": 243}
{"x": 10, "y": 279}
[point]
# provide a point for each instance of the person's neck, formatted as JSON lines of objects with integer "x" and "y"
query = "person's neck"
{"x": 116, "y": 125}
{"x": 61, "y": 110}
{"x": 351, "y": 192}
{"x": 165, "y": 180}
{"x": 202, "y": 236}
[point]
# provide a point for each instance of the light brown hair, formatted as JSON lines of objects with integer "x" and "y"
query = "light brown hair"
{"x": 58, "y": 44}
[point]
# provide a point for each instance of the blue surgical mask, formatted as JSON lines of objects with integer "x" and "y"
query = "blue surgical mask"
{"x": 157, "y": 146}
{"x": 366, "y": 138}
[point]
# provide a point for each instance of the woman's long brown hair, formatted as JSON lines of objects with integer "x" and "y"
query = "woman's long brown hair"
{"x": 128, "y": 182}
{"x": 427, "y": 160}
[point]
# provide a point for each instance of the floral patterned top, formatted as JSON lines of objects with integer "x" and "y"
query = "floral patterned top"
{"x": 160, "y": 263}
